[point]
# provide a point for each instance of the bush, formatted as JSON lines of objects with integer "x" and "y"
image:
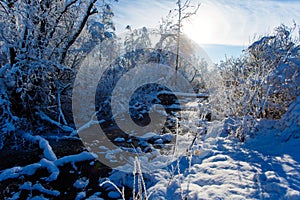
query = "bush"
{"x": 262, "y": 83}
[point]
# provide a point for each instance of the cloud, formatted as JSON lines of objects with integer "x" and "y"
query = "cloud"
{"x": 237, "y": 22}
{"x": 140, "y": 13}
{"x": 227, "y": 27}
{"x": 228, "y": 22}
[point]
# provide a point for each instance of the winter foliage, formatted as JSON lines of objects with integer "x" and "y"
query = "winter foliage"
{"x": 238, "y": 128}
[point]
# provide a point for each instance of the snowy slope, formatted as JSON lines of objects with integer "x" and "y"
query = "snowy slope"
{"x": 264, "y": 167}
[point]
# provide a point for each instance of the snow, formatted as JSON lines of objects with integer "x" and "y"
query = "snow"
{"x": 149, "y": 135}
{"x": 216, "y": 166}
{"x": 43, "y": 143}
{"x": 114, "y": 194}
{"x": 16, "y": 196}
{"x": 52, "y": 169}
{"x": 51, "y": 166}
{"x": 219, "y": 166}
{"x": 159, "y": 141}
{"x": 211, "y": 163}
{"x": 39, "y": 187}
{"x": 10, "y": 173}
{"x": 80, "y": 195}
{"x": 62, "y": 127}
{"x": 238, "y": 173}
{"x": 95, "y": 196}
{"x": 119, "y": 139}
{"x": 182, "y": 94}
{"x": 81, "y": 183}
{"x": 74, "y": 158}
{"x": 38, "y": 198}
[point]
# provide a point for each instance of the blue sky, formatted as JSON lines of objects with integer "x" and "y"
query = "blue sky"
{"x": 220, "y": 26}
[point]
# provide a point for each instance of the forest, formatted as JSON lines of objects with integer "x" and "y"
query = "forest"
{"x": 89, "y": 113}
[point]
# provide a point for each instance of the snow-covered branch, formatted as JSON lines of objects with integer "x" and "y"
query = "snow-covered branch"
{"x": 51, "y": 166}
{"x": 61, "y": 126}
{"x": 43, "y": 144}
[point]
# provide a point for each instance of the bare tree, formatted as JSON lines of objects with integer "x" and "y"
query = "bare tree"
{"x": 183, "y": 11}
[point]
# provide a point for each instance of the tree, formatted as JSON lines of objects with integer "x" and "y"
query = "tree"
{"x": 183, "y": 13}
{"x": 44, "y": 41}
{"x": 262, "y": 83}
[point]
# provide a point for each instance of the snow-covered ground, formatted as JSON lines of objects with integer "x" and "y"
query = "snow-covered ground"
{"x": 217, "y": 166}
{"x": 266, "y": 166}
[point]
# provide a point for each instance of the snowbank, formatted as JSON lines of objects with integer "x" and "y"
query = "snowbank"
{"x": 264, "y": 167}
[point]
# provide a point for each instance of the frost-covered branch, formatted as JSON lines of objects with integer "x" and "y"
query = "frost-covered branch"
{"x": 90, "y": 10}
{"x": 48, "y": 119}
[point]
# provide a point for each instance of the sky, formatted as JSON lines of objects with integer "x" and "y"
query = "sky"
{"x": 221, "y": 27}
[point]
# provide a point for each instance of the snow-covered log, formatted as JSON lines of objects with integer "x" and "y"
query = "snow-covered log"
{"x": 184, "y": 95}
{"x": 74, "y": 158}
{"x": 51, "y": 166}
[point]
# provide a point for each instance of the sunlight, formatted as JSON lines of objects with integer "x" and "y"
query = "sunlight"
{"x": 237, "y": 23}
{"x": 203, "y": 30}
{"x": 206, "y": 26}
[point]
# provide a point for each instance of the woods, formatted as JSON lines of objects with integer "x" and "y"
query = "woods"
{"x": 65, "y": 71}
{"x": 43, "y": 44}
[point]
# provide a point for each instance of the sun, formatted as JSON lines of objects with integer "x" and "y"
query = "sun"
{"x": 207, "y": 27}
{"x": 201, "y": 31}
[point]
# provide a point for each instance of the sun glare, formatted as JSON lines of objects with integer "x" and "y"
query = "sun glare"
{"x": 207, "y": 27}
{"x": 200, "y": 30}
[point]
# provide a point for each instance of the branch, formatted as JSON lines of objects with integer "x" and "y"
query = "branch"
{"x": 59, "y": 17}
{"x": 88, "y": 124}
{"x": 43, "y": 144}
{"x": 48, "y": 119}
{"x": 51, "y": 166}
{"x": 5, "y": 10}
{"x": 187, "y": 15}
{"x": 73, "y": 38}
